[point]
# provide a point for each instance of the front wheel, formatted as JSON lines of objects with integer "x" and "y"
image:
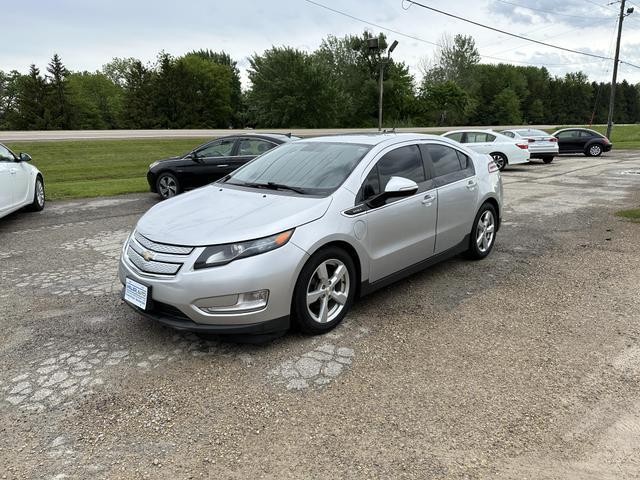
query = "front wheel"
{"x": 325, "y": 290}
{"x": 38, "y": 196}
{"x": 168, "y": 185}
{"x": 483, "y": 232}
{"x": 594, "y": 150}
{"x": 500, "y": 160}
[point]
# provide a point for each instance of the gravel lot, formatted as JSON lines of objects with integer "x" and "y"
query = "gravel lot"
{"x": 524, "y": 365}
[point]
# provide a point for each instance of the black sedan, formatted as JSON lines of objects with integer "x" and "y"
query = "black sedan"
{"x": 582, "y": 140}
{"x": 209, "y": 162}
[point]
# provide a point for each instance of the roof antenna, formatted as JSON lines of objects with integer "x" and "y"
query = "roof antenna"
{"x": 288, "y": 134}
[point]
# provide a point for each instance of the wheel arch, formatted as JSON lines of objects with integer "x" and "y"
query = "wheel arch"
{"x": 494, "y": 203}
{"x": 506, "y": 157}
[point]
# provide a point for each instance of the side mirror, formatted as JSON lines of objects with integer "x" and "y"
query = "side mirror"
{"x": 24, "y": 157}
{"x": 193, "y": 156}
{"x": 396, "y": 187}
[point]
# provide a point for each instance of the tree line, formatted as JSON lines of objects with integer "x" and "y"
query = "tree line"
{"x": 334, "y": 86}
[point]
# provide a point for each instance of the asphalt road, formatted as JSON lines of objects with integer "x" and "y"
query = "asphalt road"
{"x": 23, "y": 136}
{"x": 523, "y": 365}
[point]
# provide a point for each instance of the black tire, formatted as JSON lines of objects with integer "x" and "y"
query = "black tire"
{"x": 168, "y": 185}
{"x": 547, "y": 159}
{"x": 593, "y": 150}
{"x": 500, "y": 160}
{"x": 475, "y": 251}
{"x": 303, "y": 318}
{"x": 38, "y": 200}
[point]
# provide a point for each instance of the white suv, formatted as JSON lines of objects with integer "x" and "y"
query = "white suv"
{"x": 21, "y": 184}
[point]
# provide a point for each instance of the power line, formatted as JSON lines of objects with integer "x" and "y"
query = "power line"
{"x": 507, "y": 33}
{"x": 413, "y": 37}
{"x": 553, "y": 13}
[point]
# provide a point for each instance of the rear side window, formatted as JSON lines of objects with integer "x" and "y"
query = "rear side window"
{"x": 586, "y": 134}
{"x": 445, "y": 159}
{"x": 465, "y": 162}
{"x": 402, "y": 162}
{"x": 479, "y": 137}
{"x": 509, "y": 134}
{"x": 455, "y": 136}
{"x": 253, "y": 146}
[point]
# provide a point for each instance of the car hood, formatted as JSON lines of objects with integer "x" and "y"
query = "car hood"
{"x": 217, "y": 214}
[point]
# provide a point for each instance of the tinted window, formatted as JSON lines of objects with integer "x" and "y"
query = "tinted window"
{"x": 455, "y": 136}
{"x": 371, "y": 184}
{"x": 253, "y": 146}
{"x": 479, "y": 137}
{"x": 5, "y": 154}
{"x": 587, "y": 134}
{"x": 221, "y": 148}
{"x": 465, "y": 162}
{"x": 568, "y": 134}
{"x": 314, "y": 167}
{"x": 445, "y": 159}
{"x": 402, "y": 162}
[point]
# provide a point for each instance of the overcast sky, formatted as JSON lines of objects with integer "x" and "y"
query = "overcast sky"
{"x": 87, "y": 34}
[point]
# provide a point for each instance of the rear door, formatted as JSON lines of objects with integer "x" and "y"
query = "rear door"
{"x": 457, "y": 187}
{"x": 250, "y": 148}
{"x": 401, "y": 232}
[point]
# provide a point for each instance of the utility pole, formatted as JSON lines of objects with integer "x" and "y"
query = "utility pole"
{"x": 383, "y": 62}
{"x": 612, "y": 98}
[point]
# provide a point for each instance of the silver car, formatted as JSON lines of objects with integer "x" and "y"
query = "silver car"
{"x": 301, "y": 231}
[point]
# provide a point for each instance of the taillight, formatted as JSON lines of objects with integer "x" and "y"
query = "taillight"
{"x": 553, "y": 139}
{"x": 606, "y": 140}
{"x": 493, "y": 167}
{"x": 523, "y": 146}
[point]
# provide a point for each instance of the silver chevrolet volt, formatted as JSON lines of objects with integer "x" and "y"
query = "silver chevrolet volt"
{"x": 297, "y": 234}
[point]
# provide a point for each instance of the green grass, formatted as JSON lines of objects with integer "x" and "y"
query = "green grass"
{"x": 94, "y": 168}
{"x": 632, "y": 214}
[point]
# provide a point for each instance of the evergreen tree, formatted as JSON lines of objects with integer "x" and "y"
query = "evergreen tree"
{"x": 57, "y": 95}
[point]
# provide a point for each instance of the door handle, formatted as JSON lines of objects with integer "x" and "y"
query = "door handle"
{"x": 471, "y": 184}
{"x": 222, "y": 166}
{"x": 428, "y": 200}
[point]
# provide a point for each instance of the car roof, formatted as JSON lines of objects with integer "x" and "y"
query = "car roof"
{"x": 576, "y": 128}
{"x": 373, "y": 138}
{"x": 277, "y": 137}
{"x": 472, "y": 130}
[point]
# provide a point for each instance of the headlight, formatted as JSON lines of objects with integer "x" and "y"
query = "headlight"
{"x": 153, "y": 165}
{"x": 217, "y": 255}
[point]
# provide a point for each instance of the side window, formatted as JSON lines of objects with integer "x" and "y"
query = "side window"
{"x": 489, "y": 137}
{"x": 568, "y": 134}
{"x": 253, "y": 146}
{"x": 585, "y": 134}
{"x": 509, "y": 134}
{"x": 6, "y": 155}
{"x": 221, "y": 148}
{"x": 402, "y": 162}
{"x": 371, "y": 185}
{"x": 455, "y": 136}
{"x": 445, "y": 159}
{"x": 476, "y": 137}
{"x": 465, "y": 162}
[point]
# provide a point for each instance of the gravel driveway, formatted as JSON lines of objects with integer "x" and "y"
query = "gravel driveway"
{"x": 524, "y": 365}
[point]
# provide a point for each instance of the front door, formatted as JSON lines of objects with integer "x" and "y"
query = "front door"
{"x": 214, "y": 161}
{"x": 401, "y": 232}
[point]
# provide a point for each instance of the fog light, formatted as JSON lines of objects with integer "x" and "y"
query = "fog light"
{"x": 240, "y": 303}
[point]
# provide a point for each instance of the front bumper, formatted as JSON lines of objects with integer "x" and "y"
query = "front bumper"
{"x": 173, "y": 298}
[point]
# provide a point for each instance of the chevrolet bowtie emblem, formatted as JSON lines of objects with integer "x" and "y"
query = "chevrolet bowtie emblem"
{"x": 147, "y": 255}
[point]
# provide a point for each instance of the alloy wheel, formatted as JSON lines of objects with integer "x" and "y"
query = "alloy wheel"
{"x": 168, "y": 186}
{"x": 499, "y": 160}
{"x": 595, "y": 150}
{"x": 40, "y": 193}
{"x": 485, "y": 231}
{"x": 328, "y": 291}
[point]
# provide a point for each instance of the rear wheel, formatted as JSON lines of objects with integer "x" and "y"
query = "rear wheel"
{"x": 483, "y": 232}
{"x": 500, "y": 160}
{"x": 38, "y": 196}
{"x": 324, "y": 291}
{"x": 547, "y": 159}
{"x": 594, "y": 150}
{"x": 168, "y": 185}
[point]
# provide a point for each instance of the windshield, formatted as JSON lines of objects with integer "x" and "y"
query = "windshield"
{"x": 316, "y": 168}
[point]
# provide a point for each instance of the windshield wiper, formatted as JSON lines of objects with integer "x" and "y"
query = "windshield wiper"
{"x": 272, "y": 186}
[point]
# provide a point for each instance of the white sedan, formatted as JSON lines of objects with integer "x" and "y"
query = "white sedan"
{"x": 21, "y": 184}
{"x": 542, "y": 145}
{"x": 504, "y": 150}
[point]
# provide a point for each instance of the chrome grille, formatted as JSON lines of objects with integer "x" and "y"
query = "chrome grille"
{"x": 152, "y": 266}
{"x": 161, "y": 247}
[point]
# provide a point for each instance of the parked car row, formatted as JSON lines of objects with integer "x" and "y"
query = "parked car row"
{"x": 512, "y": 147}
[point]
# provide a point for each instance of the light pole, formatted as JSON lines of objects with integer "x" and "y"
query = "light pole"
{"x": 373, "y": 45}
